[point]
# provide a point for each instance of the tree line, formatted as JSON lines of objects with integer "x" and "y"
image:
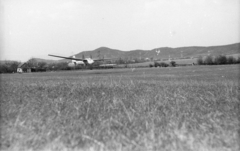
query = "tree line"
{"x": 9, "y": 66}
{"x": 163, "y": 64}
{"x": 33, "y": 64}
{"x": 218, "y": 60}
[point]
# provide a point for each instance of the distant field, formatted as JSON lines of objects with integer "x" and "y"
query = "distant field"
{"x": 181, "y": 108}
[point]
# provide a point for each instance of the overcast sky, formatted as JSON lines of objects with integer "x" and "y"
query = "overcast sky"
{"x": 35, "y": 28}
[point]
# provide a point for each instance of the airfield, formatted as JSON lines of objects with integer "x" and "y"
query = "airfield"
{"x": 174, "y": 108}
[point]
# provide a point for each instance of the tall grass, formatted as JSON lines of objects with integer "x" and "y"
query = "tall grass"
{"x": 151, "y": 109}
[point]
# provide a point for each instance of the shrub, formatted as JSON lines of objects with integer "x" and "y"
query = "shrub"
{"x": 163, "y": 64}
{"x": 173, "y": 63}
{"x": 151, "y": 65}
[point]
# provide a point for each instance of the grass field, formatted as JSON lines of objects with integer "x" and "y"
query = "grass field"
{"x": 182, "y": 108}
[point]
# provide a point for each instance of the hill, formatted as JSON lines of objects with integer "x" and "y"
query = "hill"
{"x": 165, "y": 52}
{"x": 102, "y": 52}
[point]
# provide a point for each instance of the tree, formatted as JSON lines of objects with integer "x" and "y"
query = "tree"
{"x": 42, "y": 64}
{"x": 120, "y": 61}
{"x": 4, "y": 68}
{"x": 200, "y": 61}
{"x": 238, "y": 60}
{"x": 173, "y": 63}
{"x": 32, "y": 63}
{"x": 221, "y": 59}
{"x": 231, "y": 60}
{"x": 156, "y": 64}
{"x": 14, "y": 66}
{"x": 209, "y": 60}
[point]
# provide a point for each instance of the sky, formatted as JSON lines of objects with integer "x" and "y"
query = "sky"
{"x": 36, "y": 28}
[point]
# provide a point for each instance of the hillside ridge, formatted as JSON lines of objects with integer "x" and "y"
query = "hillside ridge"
{"x": 165, "y": 52}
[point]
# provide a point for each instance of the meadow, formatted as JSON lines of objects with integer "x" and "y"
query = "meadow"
{"x": 133, "y": 109}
